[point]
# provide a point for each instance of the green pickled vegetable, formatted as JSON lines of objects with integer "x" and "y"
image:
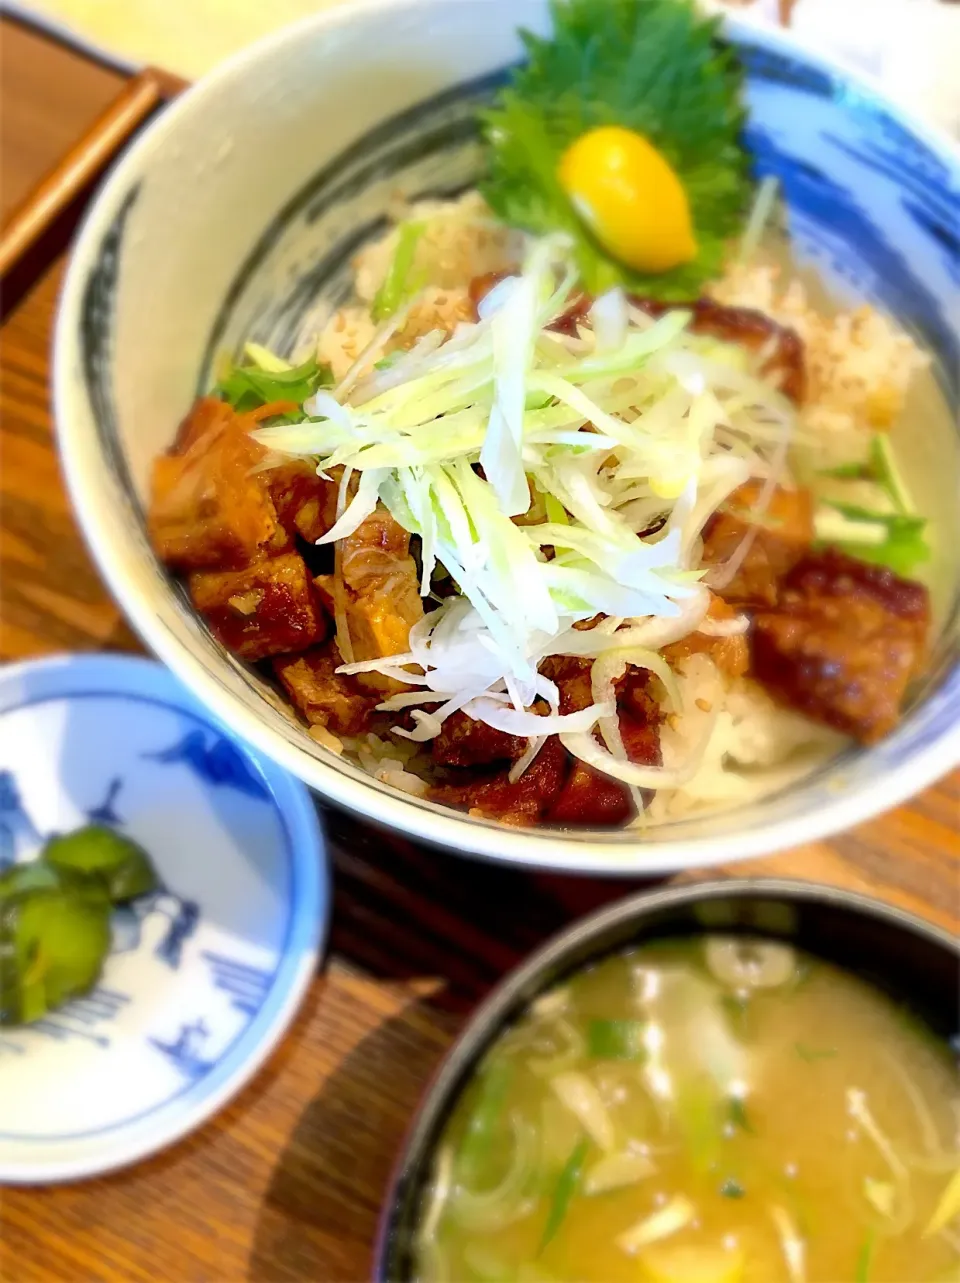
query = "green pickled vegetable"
{"x": 52, "y": 946}
{"x": 21, "y": 880}
{"x": 615, "y": 1039}
{"x": 55, "y": 917}
{"x": 732, "y": 1188}
{"x": 566, "y": 1188}
{"x": 101, "y": 853}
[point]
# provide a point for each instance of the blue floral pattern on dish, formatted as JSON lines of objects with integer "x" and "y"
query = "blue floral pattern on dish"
{"x": 214, "y": 759}
{"x": 184, "y": 1050}
{"x": 17, "y": 831}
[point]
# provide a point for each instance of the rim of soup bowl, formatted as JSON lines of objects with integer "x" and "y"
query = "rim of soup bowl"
{"x": 439, "y": 825}
{"x": 529, "y": 979}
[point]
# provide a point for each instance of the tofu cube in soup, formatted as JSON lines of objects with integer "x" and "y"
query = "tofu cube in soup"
{"x": 208, "y": 507}
{"x": 324, "y": 696}
{"x": 844, "y": 643}
{"x": 779, "y": 537}
{"x": 270, "y": 608}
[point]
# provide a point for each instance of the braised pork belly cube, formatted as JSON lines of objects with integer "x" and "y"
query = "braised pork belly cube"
{"x": 324, "y": 585}
{"x": 779, "y": 349}
{"x": 639, "y": 707}
{"x": 383, "y": 591}
{"x": 590, "y": 799}
{"x": 731, "y": 654}
{"x": 843, "y": 644}
{"x": 637, "y": 696}
{"x": 208, "y": 506}
{"x": 521, "y": 803}
{"x": 780, "y": 536}
{"x": 269, "y": 608}
{"x": 641, "y": 740}
{"x": 324, "y": 696}
{"x": 305, "y": 503}
{"x": 572, "y": 677}
{"x": 466, "y": 741}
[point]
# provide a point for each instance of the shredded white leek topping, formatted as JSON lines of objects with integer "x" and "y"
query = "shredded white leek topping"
{"x": 627, "y": 437}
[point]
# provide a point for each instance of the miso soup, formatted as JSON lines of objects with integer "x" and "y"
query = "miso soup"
{"x": 715, "y": 1110}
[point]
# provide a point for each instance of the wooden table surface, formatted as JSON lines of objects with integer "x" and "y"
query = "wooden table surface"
{"x": 286, "y": 1183}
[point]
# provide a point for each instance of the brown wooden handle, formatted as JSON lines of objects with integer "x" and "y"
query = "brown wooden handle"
{"x": 41, "y": 226}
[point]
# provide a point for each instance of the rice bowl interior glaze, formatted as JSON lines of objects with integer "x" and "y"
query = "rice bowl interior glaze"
{"x": 235, "y": 216}
{"x": 902, "y": 956}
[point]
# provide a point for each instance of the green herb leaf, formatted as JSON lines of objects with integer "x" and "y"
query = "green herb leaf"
{"x": 567, "y": 1185}
{"x": 248, "y": 387}
{"x": 119, "y": 863}
{"x": 615, "y": 1039}
{"x": 653, "y": 66}
{"x": 812, "y": 1054}
{"x": 732, "y": 1189}
{"x": 397, "y": 284}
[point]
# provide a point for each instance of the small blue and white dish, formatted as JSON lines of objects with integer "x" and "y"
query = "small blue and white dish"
{"x": 204, "y": 974}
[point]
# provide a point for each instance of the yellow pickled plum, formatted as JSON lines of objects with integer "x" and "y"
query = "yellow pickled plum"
{"x": 630, "y": 197}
